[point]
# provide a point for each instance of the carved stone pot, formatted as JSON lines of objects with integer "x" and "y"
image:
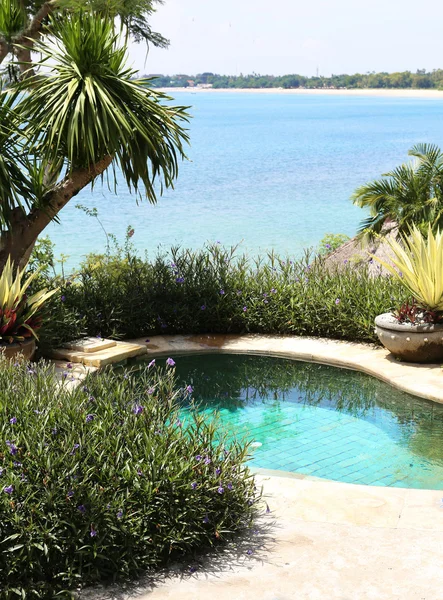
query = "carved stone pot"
{"x": 410, "y": 342}
{"x": 27, "y": 348}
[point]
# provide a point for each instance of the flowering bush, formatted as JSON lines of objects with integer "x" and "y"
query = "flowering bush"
{"x": 216, "y": 290}
{"x": 106, "y": 481}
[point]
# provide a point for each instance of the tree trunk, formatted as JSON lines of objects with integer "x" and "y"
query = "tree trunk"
{"x": 20, "y": 239}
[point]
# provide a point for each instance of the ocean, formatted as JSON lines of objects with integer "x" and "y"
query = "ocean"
{"x": 268, "y": 171}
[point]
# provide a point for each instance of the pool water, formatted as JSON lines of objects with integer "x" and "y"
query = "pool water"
{"x": 320, "y": 421}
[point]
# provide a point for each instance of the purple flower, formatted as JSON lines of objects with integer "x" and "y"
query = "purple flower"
{"x": 273, "y": 291}
{"x": 147, "y": 341}
{"x": 75, "y": 447}
{"x": 180, "y": 280}
{"x": 8, "y": 489}
{"x": 189, "y": 389}
{"x": 120, "y": 514}
{"x": 178, "y": 423}
{"x": 249, "y": 552}
{"x": 13, "y": 421}
{"x": 192, "y": 569}
{"x": 198, "y": 458}
{"x": 89, "y": 418}
{"x": 206, "y": 519}
{"x": 207, "y": 461}
{"x": 328, "y": 246}
{"x": 194, "y": 485}
{"x": 337, "y": 301}
{"x": 170, "y": 362}
{"x": 70, "y": 494}
{"x": 150, "y": 391}
{"x": 81, "y": 508}
{"x": 239, "y": 292}
{"x": 217, "y": 471}
{"x": 93, "y": 532}
{"x": 1, "y": 471}
{"x": 17, "y": 464}
{"x": 345, "y": 261}
{"x": 268, "y": 510}
{"x": 152, "y": 363}
{"x": 222, "y": 292}
{"x": 245, "y": 309}
{"x": 229, "y": 486}
{"x": 54, "y": 431}
{"x": 138, "y": 409}
{"x": 220, "y": 490}
{"x": 203, "y": 307}
{"x": 63, "y": 298}
{"x": 12, "y": 447}
{"x": 69, "y": 366}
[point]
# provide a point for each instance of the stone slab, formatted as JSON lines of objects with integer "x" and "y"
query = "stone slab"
{"x": 118, "y": 353}
{"x": 90, "y": 344}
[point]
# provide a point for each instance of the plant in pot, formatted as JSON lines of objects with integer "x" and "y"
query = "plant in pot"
{"x": 19, "y": 314}
{"x": 414, "y": 332}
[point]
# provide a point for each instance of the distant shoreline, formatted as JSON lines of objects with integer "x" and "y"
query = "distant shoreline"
{"x": 403, "y": 93}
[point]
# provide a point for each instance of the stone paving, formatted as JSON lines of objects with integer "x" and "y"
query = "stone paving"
{"x": 322, "y": 540}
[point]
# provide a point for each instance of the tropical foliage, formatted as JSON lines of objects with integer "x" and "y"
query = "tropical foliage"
{"x": 19, "y": 314}
{"x": 106, "y": 481}
{"x": 411, "y": 194}
{"x": 400, "y": 80}
{"x": 79, "y": 114}
{"x": 216, "y": 290}
{"x": 417, "y": 265}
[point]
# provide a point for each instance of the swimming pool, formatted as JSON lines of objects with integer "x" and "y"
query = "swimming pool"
{"x": 320, "y": 421}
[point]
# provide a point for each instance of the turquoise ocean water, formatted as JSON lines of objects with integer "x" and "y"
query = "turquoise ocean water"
{"x": 268, "y": 170}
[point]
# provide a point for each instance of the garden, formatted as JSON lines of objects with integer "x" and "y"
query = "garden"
{"x": 104, "y": 481}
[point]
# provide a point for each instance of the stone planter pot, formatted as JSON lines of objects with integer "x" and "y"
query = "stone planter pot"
{"x": 26, "y": 348}
{"x": 409, "y": 342}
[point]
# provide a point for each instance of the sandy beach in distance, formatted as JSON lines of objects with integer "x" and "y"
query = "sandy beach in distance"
{"x": 407, "y": 93}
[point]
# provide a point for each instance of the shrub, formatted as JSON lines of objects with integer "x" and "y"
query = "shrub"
{"x": 216, "y": 290}
{"x": 105, "y": 481}
{"x": 330, "y": 242}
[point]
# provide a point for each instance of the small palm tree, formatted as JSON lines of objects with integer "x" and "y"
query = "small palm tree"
{"x": 81, "y": 117}
{"x": 411, "y": 194}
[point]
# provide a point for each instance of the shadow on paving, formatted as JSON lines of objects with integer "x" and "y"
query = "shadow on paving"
{"x": 244, "y": 551}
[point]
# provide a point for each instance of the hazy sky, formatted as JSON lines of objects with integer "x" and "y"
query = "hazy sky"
{"x": 293, "y": 36}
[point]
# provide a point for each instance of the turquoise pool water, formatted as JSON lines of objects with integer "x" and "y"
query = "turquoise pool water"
{"x": 319, "y": 420}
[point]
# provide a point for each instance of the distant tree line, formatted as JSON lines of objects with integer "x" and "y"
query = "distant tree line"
{"x": 419, "y": 80}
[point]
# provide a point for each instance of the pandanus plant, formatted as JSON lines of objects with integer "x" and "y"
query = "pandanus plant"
{"x": 19, "y": 313}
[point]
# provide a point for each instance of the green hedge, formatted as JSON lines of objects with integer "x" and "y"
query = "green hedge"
{"x": 215, "y": 290}
{"x": 105, "y": 482}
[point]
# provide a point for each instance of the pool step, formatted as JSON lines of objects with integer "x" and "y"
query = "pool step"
{"x": 90, "y": 344}
{"x": 115, "y": 352}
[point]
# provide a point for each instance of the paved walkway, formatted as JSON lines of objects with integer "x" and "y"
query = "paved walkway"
{"x": 322, "y": 540}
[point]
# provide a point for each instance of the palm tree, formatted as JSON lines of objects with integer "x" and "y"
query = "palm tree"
{"x": 410, "y": 194}
{"x": 82, "y": 116}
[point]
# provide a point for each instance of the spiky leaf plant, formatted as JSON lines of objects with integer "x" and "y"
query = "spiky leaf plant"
{"x": 19, "y": 313}
{"x": 418, "y": 265}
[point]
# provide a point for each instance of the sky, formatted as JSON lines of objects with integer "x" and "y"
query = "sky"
{"x": 293, "y": 36}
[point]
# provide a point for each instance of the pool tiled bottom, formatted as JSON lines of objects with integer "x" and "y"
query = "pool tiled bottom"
{"x": 325, "y": 422}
